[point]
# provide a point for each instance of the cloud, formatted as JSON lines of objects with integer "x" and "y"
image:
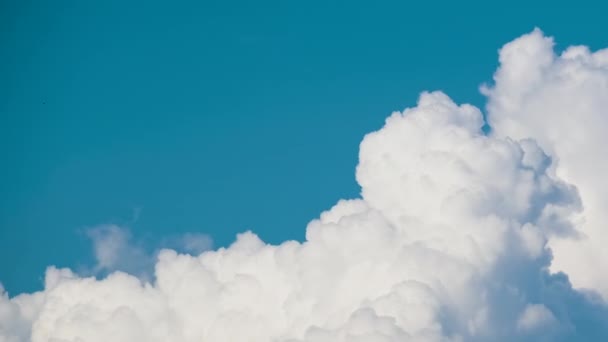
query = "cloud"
{"x": 448, "y": 242}
{"x": 115, "y": 249}
{"x": 561, "y": 101}
{"x": 534, "y": 317}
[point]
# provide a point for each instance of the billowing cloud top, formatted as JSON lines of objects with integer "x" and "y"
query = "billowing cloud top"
{"x": 458, "y": 236}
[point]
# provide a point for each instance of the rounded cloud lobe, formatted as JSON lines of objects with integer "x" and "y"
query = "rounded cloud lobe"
{"x": 561, "y": 101}
{"x": 448, "y": 242}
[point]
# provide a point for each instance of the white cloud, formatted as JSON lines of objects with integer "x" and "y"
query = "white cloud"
{"x": 561, "y": 100}
{"x": 191, "y": 243}
{"x": 115, "y": 249}
{"x": 535, "y": 317}
{"x": 447, "y": 243}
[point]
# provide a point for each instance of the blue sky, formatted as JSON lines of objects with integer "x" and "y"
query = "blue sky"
{"x": 219, "y": 117}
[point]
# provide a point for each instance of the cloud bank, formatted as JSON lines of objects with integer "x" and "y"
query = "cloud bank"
{"x": 458, "y": 236}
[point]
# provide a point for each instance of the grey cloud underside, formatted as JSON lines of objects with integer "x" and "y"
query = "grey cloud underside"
{"x": 458, "y": 236}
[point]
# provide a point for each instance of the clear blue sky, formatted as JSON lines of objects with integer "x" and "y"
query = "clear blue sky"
{"x": 219, "y": 117}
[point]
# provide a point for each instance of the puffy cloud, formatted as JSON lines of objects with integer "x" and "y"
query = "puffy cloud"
{"x": 448, "y": 242}
{"x": 115, "y": 249}
{"x": 561, "y": 101}
{"x": 534, "y": 317}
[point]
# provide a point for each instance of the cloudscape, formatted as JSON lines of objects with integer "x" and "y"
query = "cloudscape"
{"x": 473, "y": 224}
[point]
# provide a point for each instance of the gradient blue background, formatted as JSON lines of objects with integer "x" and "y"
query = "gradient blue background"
{"x": 218, "y": 117}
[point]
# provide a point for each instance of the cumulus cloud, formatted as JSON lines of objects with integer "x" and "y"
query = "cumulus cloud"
{"x": 115, "y": 249}
{"x": 451, "y": 240}
{"x": 561, "y": 101}
{"x": 534, "y": 317}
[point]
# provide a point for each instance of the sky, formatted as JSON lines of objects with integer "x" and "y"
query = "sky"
{"x": 128, "y": 128}
{"x": 213, "y": 117}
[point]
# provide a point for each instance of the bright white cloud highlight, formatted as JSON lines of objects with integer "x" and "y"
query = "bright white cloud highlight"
{"x": 448, "y": 242}
{"x": 534, "y": 317}
{"x": 561, "y": 101}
